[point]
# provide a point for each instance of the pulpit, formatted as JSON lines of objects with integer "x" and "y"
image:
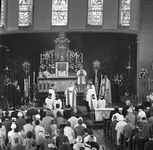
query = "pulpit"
{"x": 58, "y": 66}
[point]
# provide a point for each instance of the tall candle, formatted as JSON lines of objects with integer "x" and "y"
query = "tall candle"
{"x": 40, "y": 58}
{"x": 29, "y": 80}
{"x": 149, "y": 81}
{"x": 76, "y": 58}
{"x": 33, "y": 77}
{"x": 82, "y": 58}
{"x": 52, "y": 57}
{"x": 70, "y": 57}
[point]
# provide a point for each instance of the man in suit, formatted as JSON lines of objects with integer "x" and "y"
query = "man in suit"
{"x": 17, "y": 145}
{"x": 149, "y": 144}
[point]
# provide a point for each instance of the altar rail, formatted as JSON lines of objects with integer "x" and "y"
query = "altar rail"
{"x": 103, "y": 113}
{"x": 61, "y": 83}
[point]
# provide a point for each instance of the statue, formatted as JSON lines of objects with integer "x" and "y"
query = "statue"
{"x": 62, "y": 47}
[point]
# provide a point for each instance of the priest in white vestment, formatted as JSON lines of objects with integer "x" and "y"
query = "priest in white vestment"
{"x": 105, "y": 89}
{"x": 81, "y": 80}
{"x": 70, "y": 94}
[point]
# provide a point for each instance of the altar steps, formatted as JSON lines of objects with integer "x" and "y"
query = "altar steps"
{"x": 40, "y": 98}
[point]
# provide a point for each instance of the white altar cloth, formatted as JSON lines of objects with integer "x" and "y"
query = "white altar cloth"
{"x": 103, "y": 113}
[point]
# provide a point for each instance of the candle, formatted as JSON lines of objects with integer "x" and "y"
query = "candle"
{"x": 40, "y": 58}
{"x": 52, "y": 57}
{"x": 82, "y": 57}
{"x": 33, "y": 77}
{"x": 149, "y": 83}
{"x": 29, "y": 81}
{"x": 76, "y": 58}
{"x": 101, "y": 77}
{"x": 70, "y": 57}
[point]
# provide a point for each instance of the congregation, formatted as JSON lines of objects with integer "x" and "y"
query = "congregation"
{"x": 131, "y": 128}
{"x": 45, "y": 129}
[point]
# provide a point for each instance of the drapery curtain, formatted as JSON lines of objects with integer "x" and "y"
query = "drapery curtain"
{"x": 100, "y": 46}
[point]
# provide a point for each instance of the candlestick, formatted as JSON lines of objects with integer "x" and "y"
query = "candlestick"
{"x": 29, "y": 80}
{"x": 33, "y": 77}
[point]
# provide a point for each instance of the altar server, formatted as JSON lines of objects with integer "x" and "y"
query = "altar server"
{"x": 49, "y": 101}
{"x": 52, "y": 91}
{"x": 93, "y": 102}
{"x": 89, "y": 92}
{"x": 57, "y": 101}
{"x": 101, "y": 103}
{"x": 70, "y": 94}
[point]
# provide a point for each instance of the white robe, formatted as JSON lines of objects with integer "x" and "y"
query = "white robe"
{"x": 70, "y": 94}
{"x": 49, "y": 102}
{"x": 58, "y": 102}
{"x": 53, "y": 93}
{"x": 90, "y": 92}
{"x": 105, "y": 89}
{"x": 101, "y": 103}
{"x": 94, "y": 103}
{"x": 81, "y": 74}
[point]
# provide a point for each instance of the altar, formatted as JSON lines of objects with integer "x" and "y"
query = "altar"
{"x": 59, "y": 65}
{"x": 61, "y": 83}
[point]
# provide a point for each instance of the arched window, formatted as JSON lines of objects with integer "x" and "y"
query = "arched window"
{"x": 25, "y": 12}
{"x": 125, "y": 12}
{"x": 59, "y": 12}
{"x": 2, "y": 9}
{"x": 95, "y": 12}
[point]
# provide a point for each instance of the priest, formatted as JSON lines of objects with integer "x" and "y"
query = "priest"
{"x": 70, "y": 94}
{"x": 105, "y": 89}
{"x": 81, "y": 80}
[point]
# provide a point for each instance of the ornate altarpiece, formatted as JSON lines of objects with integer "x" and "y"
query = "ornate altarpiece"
{"x": 59, "y": 65}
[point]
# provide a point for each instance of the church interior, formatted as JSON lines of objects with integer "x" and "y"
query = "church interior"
{"x": 44, "y": 42}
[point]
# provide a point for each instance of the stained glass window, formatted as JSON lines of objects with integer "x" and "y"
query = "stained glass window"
{"x": 59, "y": 12}
{"x": 95, "y": 12}
{"x": 125, "y": 12}
{"x": 1, "y": 13}
{"x": 25, "y": 12}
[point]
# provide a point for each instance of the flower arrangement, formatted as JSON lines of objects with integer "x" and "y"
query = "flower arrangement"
{"x": 118, "y": 79}
{"x": 150, "y": 98}
{"x": 143, "y": 73}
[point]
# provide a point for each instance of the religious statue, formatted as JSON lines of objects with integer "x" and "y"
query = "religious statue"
{"x": 62, "y": 47}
